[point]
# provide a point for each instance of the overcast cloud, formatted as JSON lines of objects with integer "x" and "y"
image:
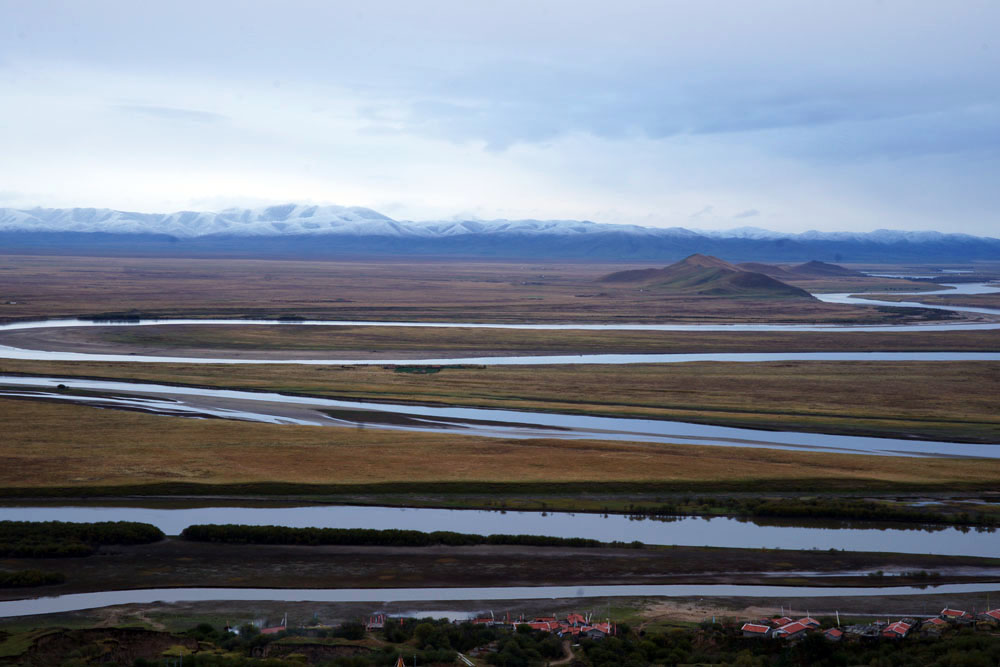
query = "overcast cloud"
{"x": 786, "y": 115}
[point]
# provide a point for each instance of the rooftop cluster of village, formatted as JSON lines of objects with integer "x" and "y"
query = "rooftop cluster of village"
{"x": 574, "y": 626}
{"x": 789, "y": 629}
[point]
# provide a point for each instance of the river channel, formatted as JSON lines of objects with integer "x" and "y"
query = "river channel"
{"x": 680, "y": 531}
{"x": 692, "y": 531}
{"x": 78, "y": 601}
{"x": 12, "y": 352}
{"x": 277, "y": 408}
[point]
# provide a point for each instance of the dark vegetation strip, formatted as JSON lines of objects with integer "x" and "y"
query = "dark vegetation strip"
{"x": 240, "y": 534}
{"x": 56, "y": 539}
{"x": 30, "y": 578}
{"x": 812, "y": 508}
{"x": 495, "y": 489}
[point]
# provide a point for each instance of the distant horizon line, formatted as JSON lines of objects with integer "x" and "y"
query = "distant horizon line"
{"x": 458, "y": 220}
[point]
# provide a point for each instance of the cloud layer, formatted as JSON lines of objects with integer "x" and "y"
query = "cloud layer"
{"x": 848, "y": 115}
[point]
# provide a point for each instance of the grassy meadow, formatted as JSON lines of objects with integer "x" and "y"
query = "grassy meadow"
{"x": 48, "y": 445}
{"x": 932, "y": 400}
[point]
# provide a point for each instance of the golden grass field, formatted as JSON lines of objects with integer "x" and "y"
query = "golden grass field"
{"x": 383, "y": 289}
{"x": 935, "y": 400}
{"x": 56, "y": 445}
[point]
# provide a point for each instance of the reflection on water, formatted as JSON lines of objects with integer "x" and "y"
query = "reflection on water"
{"x": 686, "y": 531}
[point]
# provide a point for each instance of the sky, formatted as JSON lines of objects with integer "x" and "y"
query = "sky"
{"x": 786, "y": 115}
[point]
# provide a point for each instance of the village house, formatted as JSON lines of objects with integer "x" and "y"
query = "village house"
{"x": 897, "y": 630}
{"x": 934, "y": 625}
{"x": 834, "y": 634}
{"x": 756, "y": 630}
{"x": 956, "y": 616}
{"x": 791, "y": 631}
{"x": 992, "y": 616}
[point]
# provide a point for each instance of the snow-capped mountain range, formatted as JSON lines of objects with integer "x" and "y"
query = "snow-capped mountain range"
{"x": 362, "y": 230}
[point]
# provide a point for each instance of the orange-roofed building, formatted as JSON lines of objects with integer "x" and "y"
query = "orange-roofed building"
{"x": 955, "y": 615}
{"x": 755, "y": 630}
{"x": 896, "y": 630}
{"x": 992, "y": 616}
{"x": 792, "y": 630}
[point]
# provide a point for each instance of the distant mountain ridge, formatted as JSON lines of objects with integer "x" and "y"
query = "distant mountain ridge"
{"x": 329, "y": 231}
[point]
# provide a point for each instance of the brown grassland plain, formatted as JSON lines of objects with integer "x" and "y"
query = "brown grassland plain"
{"x": 57, "y": 445}
{"x": 384, "y": 289}
{"x": 182, "y": 563}
{"x": 932, "y": 400}
{"x": 297, "y": 341}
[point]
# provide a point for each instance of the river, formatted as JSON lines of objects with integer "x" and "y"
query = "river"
{"x": 78, "y": 601}
{"x": 680, "y": 531}
{"x": 270, "y": 407}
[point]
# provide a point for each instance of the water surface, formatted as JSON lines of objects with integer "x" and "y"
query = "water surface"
{"x": 681, "y": 531}
{"x": 78, "y": 601}
{"x": 282, "y": 408}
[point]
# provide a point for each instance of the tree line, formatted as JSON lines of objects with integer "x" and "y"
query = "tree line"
{"x": 241, "y": 534}
{"x": 56, "y": 539}
{"x": 812, "y": 508}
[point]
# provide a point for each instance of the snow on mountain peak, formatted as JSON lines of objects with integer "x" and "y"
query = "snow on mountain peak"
{"x": 303, "y": 220}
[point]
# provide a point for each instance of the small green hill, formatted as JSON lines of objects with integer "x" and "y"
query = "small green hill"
{"x": 709, "y": 276}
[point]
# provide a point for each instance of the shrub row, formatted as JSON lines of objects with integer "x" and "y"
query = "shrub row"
{"x": 240, "y": 534}
{"x": 55, "y": 539}
{"x": 27, "y": 578}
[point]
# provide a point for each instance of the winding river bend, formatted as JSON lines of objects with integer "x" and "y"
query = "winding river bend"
{"x": 303, "y": 410}
{"x": 278, "y": 408}
{"x": 12, "y": 352}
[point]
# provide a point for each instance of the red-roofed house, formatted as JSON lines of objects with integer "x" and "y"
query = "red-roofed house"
{"x": 834, "y": 634}
{"x": 543, "y": 625}
{"x": 273, "y": 630}
{"x": 810, "y": 621}
{"x": 755, "y": 630}
{"x": 956, "y": 616}
{"x": 896, "y": 630}
{"x": 934, "y": 624}
{"x": 791, "y": 630}
{"x": 576, "y": 619}
{"x": 784, "y": 620}
{"x": 992, "y": 616}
